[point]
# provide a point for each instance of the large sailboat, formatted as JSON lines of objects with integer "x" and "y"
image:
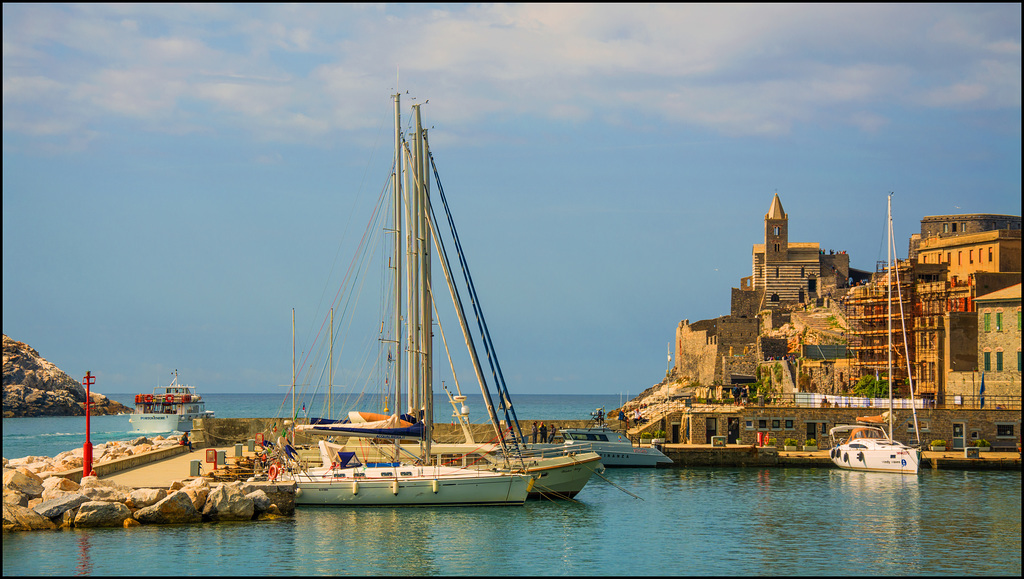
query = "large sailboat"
{"x": 403, "y": 470}
{"x": 866, "y": 445}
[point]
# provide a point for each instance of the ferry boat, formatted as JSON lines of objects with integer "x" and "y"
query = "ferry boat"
{"x": 168, "y": 408}
{"x": 615, "y": 449}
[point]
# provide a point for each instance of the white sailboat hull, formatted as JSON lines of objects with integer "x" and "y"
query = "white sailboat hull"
{"x": 405, "y": 485}
{"x": 878, "y": 457}
{"x": 559, "y": 473}
{"x": 564, "y": 475}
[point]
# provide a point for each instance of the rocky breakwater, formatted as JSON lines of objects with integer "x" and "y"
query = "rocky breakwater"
{"x": 32, "y": 502}
{"x": 35, "y": 387}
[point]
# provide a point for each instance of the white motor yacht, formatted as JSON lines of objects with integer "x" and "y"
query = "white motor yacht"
{"x": 613, "y": 447}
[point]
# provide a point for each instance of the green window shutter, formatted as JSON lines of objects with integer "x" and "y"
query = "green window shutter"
{"x": 988, "y": 361}
{"x": 987, "y": 319}
{"x": 999, "y": 321}
{"x": 999, "y": 361}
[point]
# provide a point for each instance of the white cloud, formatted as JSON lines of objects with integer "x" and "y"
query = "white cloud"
{"x": 296, "y": 71}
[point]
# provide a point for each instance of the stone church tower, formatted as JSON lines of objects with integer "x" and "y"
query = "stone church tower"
{"x": 776, "y": 235}
{"x": 787, "y": 272}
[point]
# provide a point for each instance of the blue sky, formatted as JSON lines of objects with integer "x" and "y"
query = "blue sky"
{"x": 177, "y": 178}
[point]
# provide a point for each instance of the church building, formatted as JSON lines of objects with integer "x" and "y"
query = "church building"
{"x": 789, "y": 272}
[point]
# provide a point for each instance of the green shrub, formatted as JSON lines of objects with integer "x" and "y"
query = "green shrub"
{"x": 646, "y": 434}
{"x": 810, "y": 442}
{"x": 789, "y": 442}
{"x": 981, "y": 442}
{"x": 938, "y": 443}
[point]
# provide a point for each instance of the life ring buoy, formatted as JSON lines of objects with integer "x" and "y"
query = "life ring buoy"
{"x": 272, "y": 475}
{"x": 139, "y": 398}
{"x": 149, "y": 399}
{"x": 169, "y": 399}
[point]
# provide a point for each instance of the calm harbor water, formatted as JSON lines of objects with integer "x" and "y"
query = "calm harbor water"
{"x": 686, "y": 522}
{"x": 693, "y": 521}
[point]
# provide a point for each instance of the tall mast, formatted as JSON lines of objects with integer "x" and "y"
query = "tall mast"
{"x": 426, "y": 320}
{"x": 889, "y": 300}
{"x": 415, "y": 282}
{"x": 330, "y": 368}
{"x": 396, "y": 186}
{"x": 293, "y": 363}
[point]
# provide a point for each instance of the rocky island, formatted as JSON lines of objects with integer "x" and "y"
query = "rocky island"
{"x": 35, "y": 387}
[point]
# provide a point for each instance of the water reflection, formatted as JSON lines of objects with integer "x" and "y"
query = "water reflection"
{"x": 687, "y": 521}
{"x": 84, "y": 566}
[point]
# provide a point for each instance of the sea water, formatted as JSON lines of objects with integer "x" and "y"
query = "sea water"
{"x": 50, "y": 436}
{"x": 674, "y": 521}
{"x": 670, "y": 521}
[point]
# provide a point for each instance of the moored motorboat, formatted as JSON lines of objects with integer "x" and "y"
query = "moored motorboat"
{"x": 168, "y": 408}
{"x": 613, "y": 447}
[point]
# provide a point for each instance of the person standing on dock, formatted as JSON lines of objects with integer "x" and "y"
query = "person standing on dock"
{"x": 543, "y": 432}
{"x": 554, "y": 430}
{"x": 534, "y": 432}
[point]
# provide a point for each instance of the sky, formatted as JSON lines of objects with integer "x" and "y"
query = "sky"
{"x": 178, "y": 178}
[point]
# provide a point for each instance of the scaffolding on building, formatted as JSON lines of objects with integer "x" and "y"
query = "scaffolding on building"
{"x": 934, "y": 301}
{"x": 867, "y": 310}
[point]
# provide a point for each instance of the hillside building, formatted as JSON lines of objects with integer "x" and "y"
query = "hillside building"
{"x": 786, "y": 272}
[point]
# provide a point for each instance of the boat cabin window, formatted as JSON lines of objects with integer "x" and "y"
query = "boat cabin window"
{"x": 866, "y": 433}
{"x": 387, "y": 474}
{"x": 359, "y": 475}
{"x": 406, "y": 473}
